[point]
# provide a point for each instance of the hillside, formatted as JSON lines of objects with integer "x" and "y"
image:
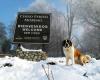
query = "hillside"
{"x": 21, "y": 69}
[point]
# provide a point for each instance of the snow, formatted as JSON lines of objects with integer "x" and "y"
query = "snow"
{"x": 24, "y": 49}
{"x": 30, "y": 70}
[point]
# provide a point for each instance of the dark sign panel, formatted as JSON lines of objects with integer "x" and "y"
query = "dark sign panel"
{"x": 32, "y": 28}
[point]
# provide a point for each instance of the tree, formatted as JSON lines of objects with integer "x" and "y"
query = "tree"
{"x": 71, "y": 18}
{"x": 90, "y": 14}
{"x": 86, "y": 15}
{"x": 6, "y": 45}
{"x": 11, "y": 28}
{"x": 2, "y": 30}
{"x": 2, "y": 33}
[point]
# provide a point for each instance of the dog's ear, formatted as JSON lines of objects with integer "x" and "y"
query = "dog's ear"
{"x": 88, "y": 57}
{"x": 63, "y": 42}
{"x": 69, "y": 42}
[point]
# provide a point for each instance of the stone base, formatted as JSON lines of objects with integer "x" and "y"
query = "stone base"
{"x": 31, "y": 55}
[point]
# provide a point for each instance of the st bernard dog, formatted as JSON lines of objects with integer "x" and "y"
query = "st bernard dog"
{"x": 74, "y": 54}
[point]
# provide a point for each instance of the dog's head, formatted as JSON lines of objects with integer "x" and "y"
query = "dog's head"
{"x": 66, "y": 43}
{"x": 86, "y": 59}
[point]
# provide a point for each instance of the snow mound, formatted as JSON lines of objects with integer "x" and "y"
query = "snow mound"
{"x": 22, "y": 69}
{"x": 24, "y": 49}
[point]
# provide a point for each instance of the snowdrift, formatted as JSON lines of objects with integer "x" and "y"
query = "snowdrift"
{"x": 22, "y": 69}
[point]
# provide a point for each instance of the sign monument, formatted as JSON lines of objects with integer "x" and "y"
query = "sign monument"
{"x": 32, "y": 28}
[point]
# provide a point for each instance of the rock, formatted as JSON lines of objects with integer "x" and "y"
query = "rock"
{"x": 31, "y": 55}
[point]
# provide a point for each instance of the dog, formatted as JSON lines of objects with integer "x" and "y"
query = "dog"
{"x": 68, "y": 50}
{"x": 74, "y": 54}
{"x": 80, "y": 58}
{"x": 85, "y": 59}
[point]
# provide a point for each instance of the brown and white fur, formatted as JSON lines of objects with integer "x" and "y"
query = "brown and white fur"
{"x": 68, "y": 50}
{"x": 74, "y": 54}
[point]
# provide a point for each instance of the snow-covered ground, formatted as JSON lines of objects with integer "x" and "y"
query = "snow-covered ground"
{"x": 22, "y": 69}
{"x": 24, "y": 49}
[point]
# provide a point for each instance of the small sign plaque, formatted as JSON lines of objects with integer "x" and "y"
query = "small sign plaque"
{"x": 32, "y": 28}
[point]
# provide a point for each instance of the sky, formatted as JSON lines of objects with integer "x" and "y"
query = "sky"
{"x": 9, "y": 8}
